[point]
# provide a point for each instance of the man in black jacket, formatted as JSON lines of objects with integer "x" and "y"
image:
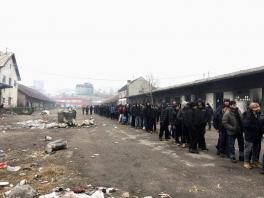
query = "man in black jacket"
{"x": 201, "y": 118}
{"x": 164, "y": 123}
{"x": 253, "y": 134}
{"x": 222, "y": 148}
{"x": 191, "y": 124}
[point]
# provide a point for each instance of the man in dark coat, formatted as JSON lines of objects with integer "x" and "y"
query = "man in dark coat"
{"x": 253, "y": 134}
{"x": 222, "y": 148}
{"x": 200, "y": 119}
{"x": 233, "y": 124}
{"x": 191, "y": 125}
{"x": 164, "y": 123}
{"x": 210, "y": 113}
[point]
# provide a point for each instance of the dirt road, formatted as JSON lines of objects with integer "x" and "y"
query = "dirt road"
{"x": 114, "y": 155}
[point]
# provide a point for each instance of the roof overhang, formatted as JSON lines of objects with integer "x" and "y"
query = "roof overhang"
{"x": 5, "y": 86}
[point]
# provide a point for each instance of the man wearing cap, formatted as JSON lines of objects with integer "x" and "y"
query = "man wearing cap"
{"x": 253, "y": 133}
{"x": 217, "y": 122}
{"x": 233, "y": 124}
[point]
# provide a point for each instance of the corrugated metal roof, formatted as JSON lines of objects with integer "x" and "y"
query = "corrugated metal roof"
{"x": 33, "y": 93}
{"x": 236, "y": 74}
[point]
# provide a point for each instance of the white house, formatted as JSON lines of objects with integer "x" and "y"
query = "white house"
{"x": 9, "y": 76}
{"x": 132, "y": 88}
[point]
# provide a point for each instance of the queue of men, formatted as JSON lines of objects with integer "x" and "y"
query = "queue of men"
{"x": 187, "y": 122}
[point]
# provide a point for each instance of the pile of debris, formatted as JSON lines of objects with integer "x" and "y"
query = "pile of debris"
{"x": 41, "y": 124}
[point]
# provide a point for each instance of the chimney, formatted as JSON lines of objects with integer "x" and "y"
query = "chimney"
{"x": 128, "y": 81}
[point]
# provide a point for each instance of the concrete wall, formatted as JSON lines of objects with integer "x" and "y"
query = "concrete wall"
{"x": 256, "y": 94}
{"x": 229, "y": 94}
{"x": 9, "y": 71}
{"x": 139, "y": 86}
{"x": 210, "y": 98}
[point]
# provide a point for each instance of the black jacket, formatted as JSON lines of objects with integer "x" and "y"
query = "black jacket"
{"x": 252, "y": 126}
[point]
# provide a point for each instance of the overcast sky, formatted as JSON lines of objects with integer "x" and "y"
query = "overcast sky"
{"x": 107, "y": 42}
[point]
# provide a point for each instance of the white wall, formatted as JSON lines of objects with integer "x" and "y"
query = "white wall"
{"x": 229, "y": 95}
{"x": 139, "y": 86}
{"x": 256, "y": 94}
{"x": 210, "y": 98}
{"x": 9, "y": 71}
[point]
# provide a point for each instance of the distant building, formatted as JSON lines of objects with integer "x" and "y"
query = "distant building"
{"x": 132, "y": 88}
{"x": 71, "y": 102}
{"x": 9, "y": 76}
{"x": 28, "y": 97}
{"x": 86, "y": 89}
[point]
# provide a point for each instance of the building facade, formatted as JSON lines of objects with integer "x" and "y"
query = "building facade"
{"x": 86, "y": 89}
{"x": 31, "y": 98}
{"x": 9, "y": 75}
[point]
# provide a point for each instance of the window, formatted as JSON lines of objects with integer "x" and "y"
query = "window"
{"x": 10, "y": 81}
{"x": 4, "y": 79}
{"x": 15, "y": 83}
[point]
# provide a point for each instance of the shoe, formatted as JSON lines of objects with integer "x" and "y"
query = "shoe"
{"x": 160, "y": 139}
{"x": 218, "y": 152}
{"x": 195, "y": 151}
{"x": 167, "y": 139}
{"x": 183, "y": 145}
{"x": 204, "y": 149}
{"x": 233, "y": 160}
{"x": 262, "y": 172}
{"x": 247, "y": 165}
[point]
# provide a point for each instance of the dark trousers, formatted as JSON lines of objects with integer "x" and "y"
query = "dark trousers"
{"x": 201, "y": 141}
{"x": 133, "y": 121}
{"x": 185, "y": 134}
{"x": 149, "y": 124}
{"x": 154, "y": 123}
{"x": 231, "y": 145}
{"x": 178, "y": 132}
{"x": 194, "y": 138}
{"x": 222, "y": 146}
{"x": 164, "y": 127}
{"x": 209, "y": 122}
{"x": 251, "y": 151}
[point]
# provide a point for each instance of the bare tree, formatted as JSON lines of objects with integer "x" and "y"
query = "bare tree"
{"x": 153, "y": 84}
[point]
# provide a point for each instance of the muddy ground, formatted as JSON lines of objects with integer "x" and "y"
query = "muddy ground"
{"x": 114, "y": 155}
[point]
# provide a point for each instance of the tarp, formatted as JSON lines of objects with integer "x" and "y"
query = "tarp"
{"x": 4, "y": 86}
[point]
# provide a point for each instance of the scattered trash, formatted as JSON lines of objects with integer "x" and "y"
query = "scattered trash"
{"x": 21, "y": 191}
{"x": 148, "y": 197}
{"x": 3, "y": 165}
{"x": 3, "y": 184}
{"x": 13, "y": 169}
{"x": 51, "y": 195}
{"x": 48, "y": 138}
{"x": 44, "y": 182}
{"x": 22, "y": 174}
{"x": 110, "y": 190}
{"x": 78, "y": 190}
{"x": 96, "y": 154}
{"x": 23, "y": 182}
{"x": 56, "y": 145}
{"x": 195, "y": 189}
{"x": 125, "y": 195}
{"x": 2, "y": 153}
{"x": 218, "y": 186}
{"x": 164, "y": 195}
